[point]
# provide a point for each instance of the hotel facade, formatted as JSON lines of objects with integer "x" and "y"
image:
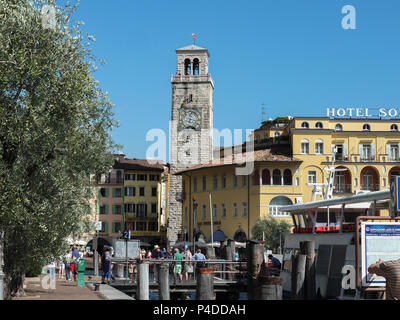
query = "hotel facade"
{"x": 290, "y": 158}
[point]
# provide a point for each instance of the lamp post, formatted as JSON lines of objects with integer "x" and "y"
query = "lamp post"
{"x": 1, "y": 265}
{"x": 194, "y": 223}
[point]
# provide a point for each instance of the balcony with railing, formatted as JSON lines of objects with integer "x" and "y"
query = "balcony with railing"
{"x": 342, "y": 188}
{"x": 370, "y": 187}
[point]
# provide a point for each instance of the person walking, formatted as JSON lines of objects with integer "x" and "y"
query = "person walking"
{"x": 106, "y": 263}
{"x": 390, "y": 270}
{"x": 52, "y": 270}
{"x": 178, "y": 265}
{"x": 67, "y": 261}
{"x": 61, "y": 267}
{"x": 188, "y": 266}
{"x": 199, "y": 257}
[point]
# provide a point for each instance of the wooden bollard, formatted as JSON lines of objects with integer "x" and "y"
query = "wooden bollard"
{"x": 143, "y": 283}
{"x": 205, "y": 284}
{"x": 270, "y": 288}
{"x": 255, "y": 258}
{"x": 308, "y": 249}
{"x": 163, "y": 281}
{"x": 298, "y": 275}
{"x": 230, "y": 256}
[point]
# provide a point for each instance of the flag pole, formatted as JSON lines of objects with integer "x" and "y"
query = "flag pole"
{"x": 211, "y": 221}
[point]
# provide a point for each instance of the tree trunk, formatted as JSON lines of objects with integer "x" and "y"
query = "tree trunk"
{"x": 14, "y": 283}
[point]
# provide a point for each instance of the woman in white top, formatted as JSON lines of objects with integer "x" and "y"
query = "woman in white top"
{"x": 61, "y": 267}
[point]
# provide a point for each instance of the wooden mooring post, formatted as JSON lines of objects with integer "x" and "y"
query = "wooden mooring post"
{"x": 143, "y": 282}
{"x": 163, "y": 281}
{"x": 307, "y": 248}
{"x": 205, "y": 284}
{"x": 230, "y": 256}
{"x": 269, "y": 288}
{"x": 255, "y": 259}
{"x": 298, "y": 275}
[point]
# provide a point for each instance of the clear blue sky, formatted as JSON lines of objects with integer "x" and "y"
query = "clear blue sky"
{"x": 292, "y": 55}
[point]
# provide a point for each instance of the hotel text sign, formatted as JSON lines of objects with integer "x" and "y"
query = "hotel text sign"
{"x": 363, "y": 112}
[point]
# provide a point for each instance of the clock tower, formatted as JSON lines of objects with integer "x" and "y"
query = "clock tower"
{"x": 191, "y": 130}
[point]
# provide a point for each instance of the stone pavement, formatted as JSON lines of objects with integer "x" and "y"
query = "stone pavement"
{"x": 64, "y": 291}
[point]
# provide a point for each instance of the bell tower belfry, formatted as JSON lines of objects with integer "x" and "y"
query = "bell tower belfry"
{"x": 191, "y": 128}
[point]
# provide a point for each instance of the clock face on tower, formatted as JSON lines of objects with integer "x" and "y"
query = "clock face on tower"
{"x": 190, "y": 118}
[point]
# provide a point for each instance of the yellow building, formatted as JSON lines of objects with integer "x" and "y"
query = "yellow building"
{"x": 290, "y": 158}
{"x": 142, "y": 195}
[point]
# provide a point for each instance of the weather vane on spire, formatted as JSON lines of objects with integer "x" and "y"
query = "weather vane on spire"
{"x": 194, "y": 38}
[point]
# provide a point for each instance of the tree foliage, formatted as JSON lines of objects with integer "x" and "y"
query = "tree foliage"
{"x": 55, "y": 125}
{"x": 274, "y": 232}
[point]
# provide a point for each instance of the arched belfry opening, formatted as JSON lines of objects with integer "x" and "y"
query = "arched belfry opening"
{"x": 188, "y": 67}
{"x": 196, "y": 67}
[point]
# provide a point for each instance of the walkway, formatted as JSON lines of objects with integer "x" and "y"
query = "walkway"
{"x": 63, "y": 291}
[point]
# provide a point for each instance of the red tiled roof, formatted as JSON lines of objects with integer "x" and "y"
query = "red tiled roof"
{"x": 257, "y": 156}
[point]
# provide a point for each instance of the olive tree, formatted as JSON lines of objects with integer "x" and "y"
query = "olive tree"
{"x": 55, "y": 124}
{"x": 273, "y": 230}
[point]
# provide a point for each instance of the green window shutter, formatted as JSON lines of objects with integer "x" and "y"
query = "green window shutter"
{"x": 113, "y": 193}
{"x": 113, "y": 209}
{"x": 107, "y": 192}
{"x": 122, "y": 209}
{"x": 106, "y": 209}
{"x": 113, "y": 227}
{"x": 97, "y": 209}
{"x": 105, "y": 226}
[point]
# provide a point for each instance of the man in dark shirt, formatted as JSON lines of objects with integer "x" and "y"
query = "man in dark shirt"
{"x": 276, "y": 265}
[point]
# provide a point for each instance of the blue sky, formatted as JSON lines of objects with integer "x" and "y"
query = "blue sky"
{"x": 293, "y": 56}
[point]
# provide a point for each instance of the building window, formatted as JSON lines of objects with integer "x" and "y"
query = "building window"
{"x": 305, "y": 125}
{"x": 394, "y": 153}
{"x": 319, "y": 147}
{"x": 204, "y": 183}
{"x": 394, "y": 127}
{"x": 305, "y": 147}
{"x": 276, "y": 177}
{"x": 188, "y": 67}
{"x": 235, "y": 180}
{"x": 223, "y": 211}
{"x": 117, "y": 227}
{"x": 130, "y": 176}
{"x": 215, "y": 182}
{"x": 118, "y": 209}
{"x": 129, "y": 207}
{"x": 266, "y": 177}
{"x": 338, "y": 127}
{"x": 319, "y": 125}
{"x": 204, "y": 212}
{"x": 103, "y": 192}
{"x": 103, "y": 209}
{"x": 355, "y": 182}
{"x": 104, "y": 227}
{"x": 130, "y": 191}
{"x": 119, "y": 177}
{"x": 118, "y": 193}
{"x": 244, "y": 180}
{"x": 141, "y": 210}
{"x": 154, "y": 191}
{"x": 142, "y": 177}
{"x": 223, "y": 180}
{"x": 154, "y": 208}
{"x": 214, "y": 211}
{"x": 235, "y": 210}
{"x": 154, "y": 177}
{"x": 277, "y": 134}
{"x": 107, "y": 178}
{"x": 196, "y": 68}
{"x": 152, "y": 226}
{"x": 140, "y": 226}
{"x": 384, "y": 182}
{"x": 297, "y": 181}
{"x": 366, "y": 152}
{"x": 257, "y": 138}
{"x": 312, "y": 177}
{"x": 366, "y": 127}
{"x": 244, "y": 209}
{"x": 256, "y": 178}
{"x": 287, "y": 177}
{"x": 194, "y": 184}
{"x": 141, "y": 191}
